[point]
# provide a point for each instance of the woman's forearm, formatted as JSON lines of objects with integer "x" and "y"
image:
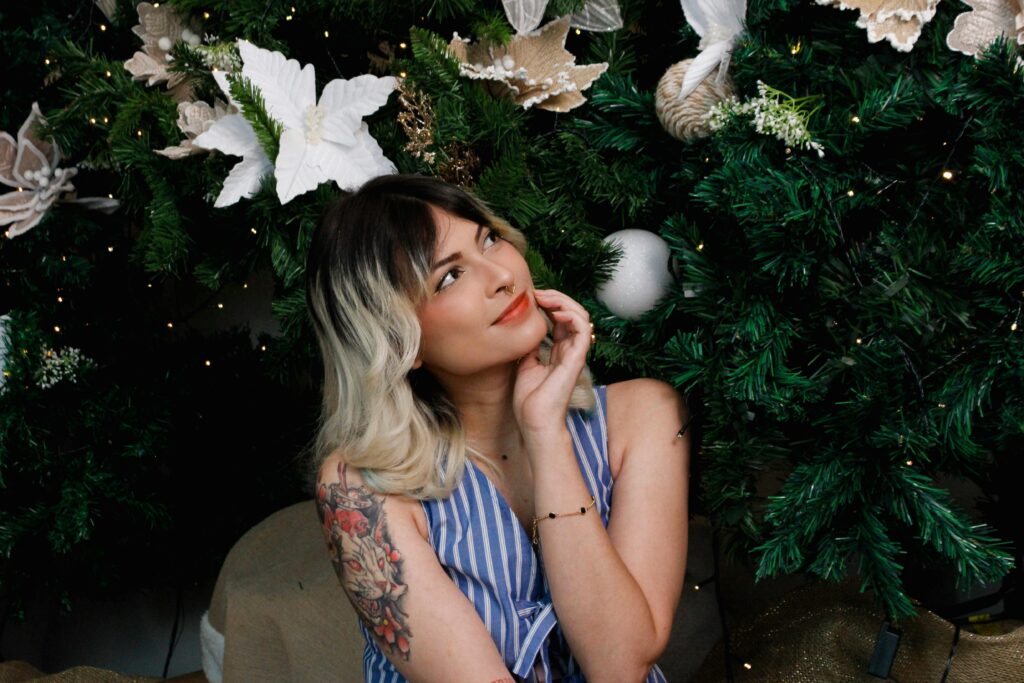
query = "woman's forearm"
{"x": 601, "y": 608}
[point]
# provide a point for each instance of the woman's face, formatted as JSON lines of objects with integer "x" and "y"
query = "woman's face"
{"x": 463, "y": 331}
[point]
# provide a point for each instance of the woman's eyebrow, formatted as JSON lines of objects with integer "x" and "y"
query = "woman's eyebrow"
{"x": 458, "y": 254}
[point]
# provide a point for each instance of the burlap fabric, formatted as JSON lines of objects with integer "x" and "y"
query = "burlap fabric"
{"x": 825, "y": 633}
{"x": 19, "y": 672}
{"x": 279, "y": 605}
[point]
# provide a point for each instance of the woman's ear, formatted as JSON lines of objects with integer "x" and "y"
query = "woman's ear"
{"x": 417, "y": 363}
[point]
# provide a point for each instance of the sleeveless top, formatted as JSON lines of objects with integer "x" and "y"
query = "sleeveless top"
{"x": 488, "y": 554}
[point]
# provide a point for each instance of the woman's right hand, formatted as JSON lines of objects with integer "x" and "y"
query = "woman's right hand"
{"x": 541, "y": 396}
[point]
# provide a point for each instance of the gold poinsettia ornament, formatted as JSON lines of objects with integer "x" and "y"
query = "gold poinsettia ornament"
{"x": 160, "y": 28}
{"x": 30, "y": 165}
{"x": 532, "y": 69}
{"x": 898, "y": 21}
{"x": 194, "y": 119}
{"x": 987, "y": 21}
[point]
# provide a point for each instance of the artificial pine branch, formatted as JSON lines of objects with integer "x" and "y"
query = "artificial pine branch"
{"x": 268, "y": 130}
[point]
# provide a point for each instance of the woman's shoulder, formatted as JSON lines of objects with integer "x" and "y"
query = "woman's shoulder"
{"x": 633, "y": 407}
{"x": 339, "y": 485}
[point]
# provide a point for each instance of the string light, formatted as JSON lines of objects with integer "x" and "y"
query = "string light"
{"x": 110, "y": 195}
{"x": 220, "y": 305}
{"x": 263, "y": 347}
{"x": 942, "y": 405}
{"x": 947, "y": 174}
{"x": 252, "y": 230}
{"x": 859, "y": 340}
{"x": 109, "y": 74}
{"x": 56, "y": 328}
{"x": 110, "y": 250}
{"x": 850, "y": 193}
{"x": 245, "y": 285}
{"x": 139, "y": 132}
{"x": 60, "y": 299}
{"x": 1013, "y": 327}
{"x": 170, "y": 326}
{"x": 206, "y": 363}
{"x": 288, "y": 18}
{"x": 327, "y": 34}
{"x": 149, "y": 285}
{"x": 854, "y": 119}
{"x": 578, "y": 32}
{"x": 696, "y": 586}
{"x": 795, "y": 48}
{"x": 402, "y": 45}
{"x": 402, "y": 74}
{"x": 103, "y": 27}
{"x": 92, "y": 120}
{"x": 46, "y": 61}
{"x": 910, "y": 463}
{"x": 106, "y": 120}
{"x": 700, "y": 247}
{"x": 206, "y": 15}
{"x": 63, "y": 258}
{"x": 747, "y": 666}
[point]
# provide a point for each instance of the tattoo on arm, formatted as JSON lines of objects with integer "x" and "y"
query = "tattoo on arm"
{"x": 368, "y": 566}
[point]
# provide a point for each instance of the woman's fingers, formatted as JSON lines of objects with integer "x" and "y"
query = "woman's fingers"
{"x": 552, "y": 299}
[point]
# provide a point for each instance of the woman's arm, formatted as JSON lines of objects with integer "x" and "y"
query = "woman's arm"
{"x": 615, "y": 591}
{"x": 422, "y": 622}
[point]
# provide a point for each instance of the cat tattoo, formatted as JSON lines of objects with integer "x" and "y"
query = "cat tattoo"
{"x": 368, "y": 566}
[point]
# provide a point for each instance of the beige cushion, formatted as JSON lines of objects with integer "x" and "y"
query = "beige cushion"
{"x": 280, "y": 608}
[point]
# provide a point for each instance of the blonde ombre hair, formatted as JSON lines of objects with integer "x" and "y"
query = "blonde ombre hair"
{"x": 366, "y": 273}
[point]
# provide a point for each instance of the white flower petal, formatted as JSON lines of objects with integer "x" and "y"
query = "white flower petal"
{"x": 244, "y": 180}
{"x": 598, "y": 15}
{"x": 287, "y": 88}
{"x": 361, "y": 95}
{"x": 524, "y": 15}
{"x": 231, "y": 135}
{"x": 294, "y": 169}
{"x": 353, "y": 166}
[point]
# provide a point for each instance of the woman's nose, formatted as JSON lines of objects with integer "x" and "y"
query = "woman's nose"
{"x": 501, "y": 278}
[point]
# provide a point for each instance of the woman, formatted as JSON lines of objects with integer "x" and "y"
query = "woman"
{"x": 466, "y": 463}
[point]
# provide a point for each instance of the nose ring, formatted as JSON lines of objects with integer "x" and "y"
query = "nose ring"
{"x": 512, "y": 291}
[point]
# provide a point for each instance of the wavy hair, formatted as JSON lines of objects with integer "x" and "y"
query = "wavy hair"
{"x": 366, "y": 273}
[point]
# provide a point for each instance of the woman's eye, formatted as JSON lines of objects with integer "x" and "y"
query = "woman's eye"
{"x": 454, "y": 273}
{"x": 493, "y": 234}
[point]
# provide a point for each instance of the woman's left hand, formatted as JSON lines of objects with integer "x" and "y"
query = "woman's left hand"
{"x": 542, "y": 392}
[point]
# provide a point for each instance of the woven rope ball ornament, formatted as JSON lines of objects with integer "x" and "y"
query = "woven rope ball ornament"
{"x": 684, "y": 119}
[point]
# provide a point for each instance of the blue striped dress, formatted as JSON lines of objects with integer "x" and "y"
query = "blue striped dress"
{"x": 487, "y": 553}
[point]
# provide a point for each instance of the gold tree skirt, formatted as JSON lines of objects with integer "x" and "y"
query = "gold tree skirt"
{"x": 825, "y": 632}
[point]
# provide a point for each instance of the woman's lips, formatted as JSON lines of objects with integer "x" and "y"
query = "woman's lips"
{"x": 518, "y": 305}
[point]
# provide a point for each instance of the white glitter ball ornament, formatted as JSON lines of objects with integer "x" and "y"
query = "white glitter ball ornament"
{"x": 642, "y": 274}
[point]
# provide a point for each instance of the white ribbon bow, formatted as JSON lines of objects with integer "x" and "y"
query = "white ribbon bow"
{"x": 719, "y": 23}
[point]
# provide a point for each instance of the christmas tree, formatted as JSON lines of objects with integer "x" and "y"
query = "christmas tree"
{"x": 836, "y": 195}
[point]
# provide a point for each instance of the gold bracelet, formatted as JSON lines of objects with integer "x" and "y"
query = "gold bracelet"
{"x": 554, "y": 515}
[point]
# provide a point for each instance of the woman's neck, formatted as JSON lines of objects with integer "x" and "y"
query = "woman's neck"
{"x": 484, "y": 404}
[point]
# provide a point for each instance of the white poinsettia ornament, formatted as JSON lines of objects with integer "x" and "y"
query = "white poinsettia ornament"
{"x": 30, "y": 164}
{"x": 322, "y": 140}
